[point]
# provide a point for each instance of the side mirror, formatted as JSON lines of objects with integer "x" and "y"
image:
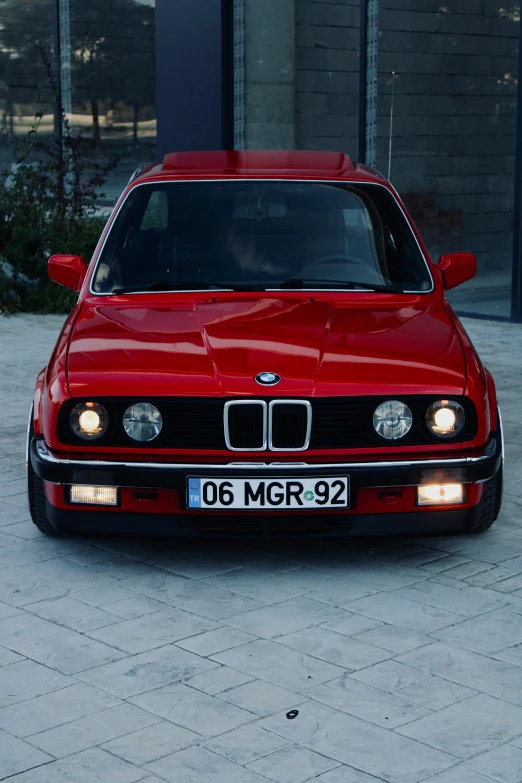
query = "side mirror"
{"x": 457, "y": 268}
{"x": 67, "y": 270}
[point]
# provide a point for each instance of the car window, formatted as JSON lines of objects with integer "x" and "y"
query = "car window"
{"x": 258, "y": 234}
{"x": 156, "y": 212}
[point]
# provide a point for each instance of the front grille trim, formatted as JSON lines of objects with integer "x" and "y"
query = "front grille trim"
{"x": 308, "y": 432}
{"x": 226, "y": 424}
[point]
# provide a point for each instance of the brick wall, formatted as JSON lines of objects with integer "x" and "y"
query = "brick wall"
{"x": 455, "y": 112}
{"x": 327, "y": 68}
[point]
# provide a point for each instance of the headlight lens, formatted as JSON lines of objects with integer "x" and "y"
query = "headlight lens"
{"x": 142, "y": 421}
{"x": 392, "y": 420}
{"x": 89, "y": 420}
{"x": 445, "y": 418}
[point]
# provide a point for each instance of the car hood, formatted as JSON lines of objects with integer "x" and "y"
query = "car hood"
{"x": 215, "y": 347}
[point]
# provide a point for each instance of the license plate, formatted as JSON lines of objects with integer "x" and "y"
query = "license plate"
{"x": 270, "y": 493}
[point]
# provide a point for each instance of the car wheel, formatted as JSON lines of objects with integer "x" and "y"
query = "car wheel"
{"x": 36, "y": 497}
{"x": 491, "y": 503}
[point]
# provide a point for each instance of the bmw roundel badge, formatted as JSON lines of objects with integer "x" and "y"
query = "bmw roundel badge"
{"x": 268, "y": 378}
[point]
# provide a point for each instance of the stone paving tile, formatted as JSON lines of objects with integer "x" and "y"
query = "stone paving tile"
{"x": 104, "y": 596}
{"x": 67, "y": 575}
{"x": 84, "y": 733}
{"x": 469, "y": 727}
{"x": 17, "y": 756}
{"x": 8, "y": 611}
{"x": 134, "y": 606}
{"x": 89, "y": 766}
{"x": 344, "y": 774}
{"x": 397, "y": 640}
{"x": 328, "y": 646}
{"x": 188, "y": 627}
{"x": 193, "y": 709}
{"x": 339, "y": 591}
{"x": 363, "y": 701}
{"x": 151, "y": 743}
{"x": 198, "y": 764}
{"x": 294, "y": 615}
{"x": 435, "y": 693}
{"x": 140, "y": 673}
{"x": 503, "y": 764}
{"x": 265, "y": 589}
{"x": 71, "y": 613}
{"x": 27, "y": 679}
{"x": 403, "y": 612}
{"x": 261, "y": 698}
{"x": 510, "y": 655}
{"x": 218, "y": 640}
{"x": 458, "y": 774}
{"x": 384, "y": 754}
{"x": 350, "y": 624}
{"x": 53, "y": 709}
{"x": 8, "y": 656}
{"x": 246, "y": 744}
{"x": 467, "y": 668}
{"x": 151, "y": 631}
{"x": 472, "y": 602}
{"x": 293, "y": 765}
{"x": 60, "y": 648}
{"x": 218, "y": 680}
{"x": 203, "y": 599}
{"x": 19, "y": 554}
{"x": 279, "y": 665}
{"x": 391, "y": 676}
{"x": 18, "y": 589}
{"x": 487, "y": 633}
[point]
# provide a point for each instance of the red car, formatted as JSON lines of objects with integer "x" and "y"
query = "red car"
{"x": 261, "y": 346}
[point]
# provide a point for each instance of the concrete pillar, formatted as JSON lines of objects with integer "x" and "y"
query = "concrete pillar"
{"x": 194, "y": 77}
{"x": 270, "y": 74}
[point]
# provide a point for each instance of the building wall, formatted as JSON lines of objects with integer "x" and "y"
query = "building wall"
{"x": 327, "y": 73}
{"x": 270, "y": 115}
{"x": 454, "y": 116}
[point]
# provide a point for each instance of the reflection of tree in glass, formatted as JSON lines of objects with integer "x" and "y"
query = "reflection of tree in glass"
{"x": 112, "y": 54}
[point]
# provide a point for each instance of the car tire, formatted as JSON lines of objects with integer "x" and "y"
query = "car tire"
{"x": 491, "y": 503}
{"x": 36, "y": 498}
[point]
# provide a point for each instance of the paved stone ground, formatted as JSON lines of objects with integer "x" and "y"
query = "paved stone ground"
{"x": 126, "y": 660}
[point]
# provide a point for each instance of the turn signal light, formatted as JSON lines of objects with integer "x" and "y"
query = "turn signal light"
{"x": 98, "y": 496}
{"x": 440, "y": 494}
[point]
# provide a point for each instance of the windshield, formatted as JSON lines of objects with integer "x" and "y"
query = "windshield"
{"x": 259, "y": 235}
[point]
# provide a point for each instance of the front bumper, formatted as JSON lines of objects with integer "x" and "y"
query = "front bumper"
{"x": 363, "y": 475}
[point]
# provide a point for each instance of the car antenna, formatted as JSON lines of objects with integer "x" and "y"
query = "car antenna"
{"x": 391, "y": 125}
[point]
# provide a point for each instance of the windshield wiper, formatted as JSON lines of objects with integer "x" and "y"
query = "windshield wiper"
{"x": 347, "y": 284}
{"x": 168, "y": 285}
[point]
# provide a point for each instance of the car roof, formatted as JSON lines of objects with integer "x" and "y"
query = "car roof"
{"x": 303, "y": 164}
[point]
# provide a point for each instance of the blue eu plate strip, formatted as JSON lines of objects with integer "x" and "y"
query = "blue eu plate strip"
{"x": 194, "y": 493}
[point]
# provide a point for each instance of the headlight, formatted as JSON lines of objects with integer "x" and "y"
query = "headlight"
{"x": 142, "y": 421}
{"x": 392, "y": 420}
{"x": 445, "y": 418}
{"x": 89, "y": 420}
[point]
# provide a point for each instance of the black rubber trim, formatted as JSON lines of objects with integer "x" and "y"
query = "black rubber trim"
{"x": 320, "y": 526}
{"x": 397, "y": 475}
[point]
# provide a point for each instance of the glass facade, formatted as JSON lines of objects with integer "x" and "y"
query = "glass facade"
{"x": 440, "y": 109}
{"x": 440, "y": 115}
{"x": 107, "y": 74}
{"x": 452, "y": 71}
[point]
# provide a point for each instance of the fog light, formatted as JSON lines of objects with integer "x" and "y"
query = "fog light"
{"x": 98, "y": 496}
{"x": 440, "y": 494}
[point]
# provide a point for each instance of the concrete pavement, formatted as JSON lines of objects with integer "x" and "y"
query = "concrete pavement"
{"x": 128, "y": 660}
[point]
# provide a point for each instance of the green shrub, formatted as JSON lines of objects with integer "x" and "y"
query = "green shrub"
{"x": 47, "y": 205}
